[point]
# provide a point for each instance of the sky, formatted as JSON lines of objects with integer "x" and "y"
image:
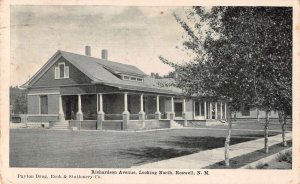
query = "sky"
{"x": 131, "y": 34}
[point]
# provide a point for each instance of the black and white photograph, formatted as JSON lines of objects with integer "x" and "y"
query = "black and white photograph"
{"x": 151, "y": 90}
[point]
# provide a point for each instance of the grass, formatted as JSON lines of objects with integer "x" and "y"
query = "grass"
{"x": 243, "y": 160}
{"x": 98, "y": 149}
{"x": 283, "y": 160}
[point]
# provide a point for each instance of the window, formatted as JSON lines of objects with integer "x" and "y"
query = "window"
{"x": 125, "y": 77}
{"x": 61, "y": 71}
{"x": 197, "y": 110}
{"x": 246, "y": 110}
{"x": 133, "y": 78}
{"x": 44, "y": 104}
{"x": 202, "y": 109}
{"x": 178, "y": 109}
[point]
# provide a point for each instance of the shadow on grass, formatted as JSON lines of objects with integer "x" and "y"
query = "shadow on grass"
{"x": 152, "y": 154}
{"x": 204, "y": 143}
{"x": 179, "y": 146}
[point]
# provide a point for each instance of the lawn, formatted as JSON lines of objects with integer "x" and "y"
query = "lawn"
{"x": 243, "y": 160}
{"x": 100, "y": 149}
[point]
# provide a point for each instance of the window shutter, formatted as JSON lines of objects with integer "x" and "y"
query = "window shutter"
{"x": 56, "y": 73}
{"x": 66, "y": 72}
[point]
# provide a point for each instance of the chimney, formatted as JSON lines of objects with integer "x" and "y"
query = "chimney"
{"x": 104, "y": 54}
{"x": 87, "y": 50}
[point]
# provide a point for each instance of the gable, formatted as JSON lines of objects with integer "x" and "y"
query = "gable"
{"x": 75, "y": 76}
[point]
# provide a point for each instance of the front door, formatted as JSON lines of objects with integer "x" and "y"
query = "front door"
{"x": 68, "y": 110}
{"x": 178, "y": 109}
{"x": 70, "y": 107}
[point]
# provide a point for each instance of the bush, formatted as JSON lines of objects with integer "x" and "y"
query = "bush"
{"x": 285, "y": 156}
{"x": 262, "y": 166}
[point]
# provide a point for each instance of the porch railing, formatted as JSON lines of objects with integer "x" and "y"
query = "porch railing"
{"x": 89, "y": 116}
{"x": 134, "y": 117}
{"x": 164, "y": 115}
{"x": 150, "y": 116}
{"x": 113, "y": 116}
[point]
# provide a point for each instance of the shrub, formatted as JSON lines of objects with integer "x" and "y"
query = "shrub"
{"x": 285, "y": 156}
{"x": 262, "y": 165}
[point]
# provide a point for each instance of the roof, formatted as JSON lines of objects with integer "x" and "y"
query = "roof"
{"x": 118, "y": 68}
{"x": 104, "y": 72}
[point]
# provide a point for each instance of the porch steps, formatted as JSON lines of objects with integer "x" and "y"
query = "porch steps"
{"x": 61, "y": 126}
{"x": 175, "y": 124}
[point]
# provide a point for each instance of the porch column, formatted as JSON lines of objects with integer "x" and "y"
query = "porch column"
{"x": 126, "y": 114}
{"x": 172, "y": 114}
{"x": 79, "y": 115}
{"x": 216, "y": 110}
{"x": 142, "y": 113}
{"x": 61, "y": 116}
{"x": 210, "y": 110}
{"x": 97, "y": 102}
{"x": 221, "y": 110}
{"x": 157, "y": 113}
{"x": 205, "y": 115}
{"x": 184, "y": 113}
{"x": 225, "y": 109}
{"x": 100, "y": 113}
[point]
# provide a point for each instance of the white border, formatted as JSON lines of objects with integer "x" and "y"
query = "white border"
{"x": 216, "y": 176}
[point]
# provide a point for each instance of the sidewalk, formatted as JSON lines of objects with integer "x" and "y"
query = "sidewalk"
{"x": 209, "y": 157}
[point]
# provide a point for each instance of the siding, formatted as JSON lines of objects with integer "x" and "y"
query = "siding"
{"x": 53, "y": 104}
{"x": 253, "y": 114}
{"x": 151, "y": 105}
{"x": 168, "y": 105}
{"x": 189, "y": 109}
{"x": 113, "y": 103}
{"x": 33, "y": 104}
{"x": 75, "y": 76}
{"x": 134, "y": 104}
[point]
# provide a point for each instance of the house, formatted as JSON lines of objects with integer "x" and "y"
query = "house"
{"x": 84, "y": 92}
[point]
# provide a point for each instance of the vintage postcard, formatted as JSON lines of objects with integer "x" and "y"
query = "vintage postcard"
{"x": 149, "y": 92}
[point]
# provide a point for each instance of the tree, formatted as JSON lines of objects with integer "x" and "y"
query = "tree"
{"x": 155, "y": 75}
{"x": 234, "y": 57}
{"x": 18, "y": 100}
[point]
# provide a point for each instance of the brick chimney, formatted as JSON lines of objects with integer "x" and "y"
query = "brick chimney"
{"x": 104, "y": 54}
{"x": 87, "y": 50}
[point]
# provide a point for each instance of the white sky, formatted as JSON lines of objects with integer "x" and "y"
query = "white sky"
{"x": 132, "y": 35}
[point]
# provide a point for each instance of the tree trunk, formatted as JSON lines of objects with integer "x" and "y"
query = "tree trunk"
{"x": 227, "y": 141}
{"x": 282, "y": 121}
{"x": 283, "y": 130}
{"x": 267, "y": 131}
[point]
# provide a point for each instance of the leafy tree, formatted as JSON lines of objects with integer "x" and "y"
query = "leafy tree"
{"x": 18, "y": 100}
{"x": 239, "y": 53}
{"x": 171, "y": 74}
{"x": 155, "y": 75}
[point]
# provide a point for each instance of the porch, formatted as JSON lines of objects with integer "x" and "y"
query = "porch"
{"x": 117, "y": 110}
{"x": 133, "y": 111}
